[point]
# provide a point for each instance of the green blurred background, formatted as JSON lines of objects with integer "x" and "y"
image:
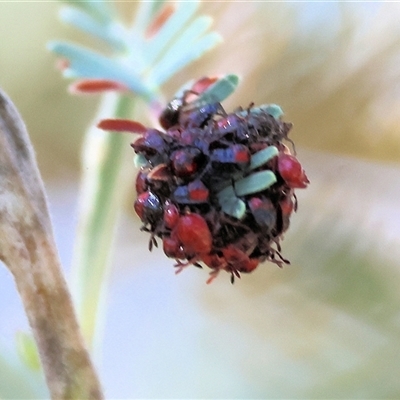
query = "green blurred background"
{"x": 328, "y": 326}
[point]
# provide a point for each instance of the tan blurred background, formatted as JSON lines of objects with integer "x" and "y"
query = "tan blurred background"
{"x": 333, "y": 68}
{"x": 326, "y": 327}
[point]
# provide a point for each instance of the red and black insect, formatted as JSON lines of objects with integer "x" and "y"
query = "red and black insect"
{"x": 202, "y": 190}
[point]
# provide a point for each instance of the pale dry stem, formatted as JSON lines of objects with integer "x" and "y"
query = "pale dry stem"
{"x": 28, "y": 250}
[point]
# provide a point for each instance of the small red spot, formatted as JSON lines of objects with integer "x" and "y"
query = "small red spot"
{"x": 93, "y": 86}
{"x": 122, "y": 125}
{"x": 264, "y": 212}
{"x": 193, "y": 232}
{"x": 184, "y": 162}
{"x": 255, "y": 203}
{"x": 241, "y": 153}
{"x": 236, "y": 154}
{"x": 198, "y": 191}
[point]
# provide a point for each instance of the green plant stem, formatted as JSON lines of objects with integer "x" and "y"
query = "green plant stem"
{"x": 101, "y": 197}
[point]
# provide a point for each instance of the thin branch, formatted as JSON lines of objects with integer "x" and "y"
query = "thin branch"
{"x": 27, "y": 248}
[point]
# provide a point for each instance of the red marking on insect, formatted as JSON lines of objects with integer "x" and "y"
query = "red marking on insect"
{"x": 237, "y": 155}
{"x": 160, "y": 19}
{"x": 194, "y": 192}
{"x": 198, "y": 192}
{"x": 255, "y": 203}
{"x": 241, "y": 154}
{"x": 185, "y": 161}
{"x": 194, "y": 234}
{"x": 122, "y": 125}
{"x": 291, "y": 171}
{"x": 93, "y": 86}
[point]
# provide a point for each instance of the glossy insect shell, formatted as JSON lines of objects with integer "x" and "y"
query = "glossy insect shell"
{"x": 148, "y": 207}
{"x": 291, "y": 171}
{"x": 172, "y": 248}
{"x": 171, "y": 215}
{"x": 185, "y": 161}
{"x": 194, "y": 234}
{"x": 170, "y": 115}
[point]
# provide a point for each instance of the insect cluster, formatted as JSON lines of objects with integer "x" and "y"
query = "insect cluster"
{"x": 217, "y": 188}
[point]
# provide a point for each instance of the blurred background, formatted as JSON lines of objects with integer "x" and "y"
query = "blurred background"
{"x": 328, "y": 325}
